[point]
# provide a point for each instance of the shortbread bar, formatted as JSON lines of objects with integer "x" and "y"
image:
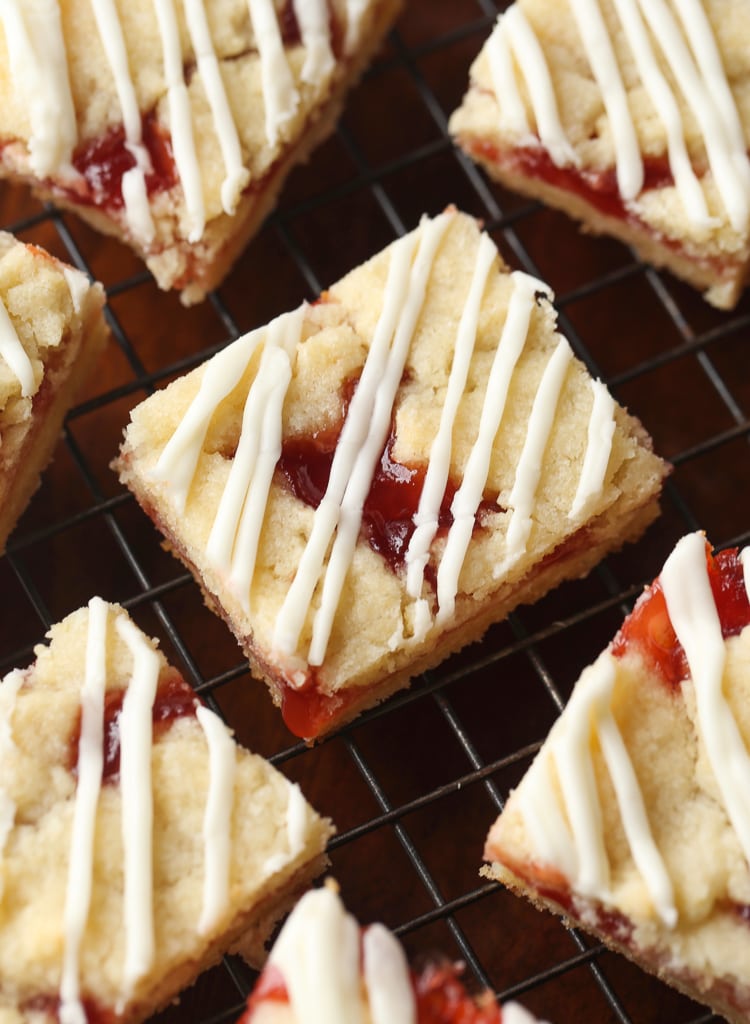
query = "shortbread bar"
{"x": 630, "y": 115}
{"x": 174, "y": 125}
{"x": 324, "y": 966}
{"x": 366, "y": 484}
{"x": 52, "y": 330}
{"x": 634, "y": 820}
{"x": 138, "y": 842}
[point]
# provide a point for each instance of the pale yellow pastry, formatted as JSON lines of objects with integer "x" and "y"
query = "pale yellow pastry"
{"x": 52, "y": 329}
{"x": 326, "y": 969}
{"x": 173, "y": 125}
{"x": 634, "y": 820}
{"x": 138, "y": 842}
{"x": 633, "y": 117}
{"x": 364, "y": 485}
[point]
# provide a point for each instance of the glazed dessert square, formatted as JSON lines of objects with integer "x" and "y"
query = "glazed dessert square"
{"x": 634, "y": 820}
{"x": 366, "y": 484}
{"x": 138, "y": 841}
{"x": 174, "y": 125}
{"x": 630, "y": 115}
{"x": 325, "y": 967}
{"x": 52, "y": 329}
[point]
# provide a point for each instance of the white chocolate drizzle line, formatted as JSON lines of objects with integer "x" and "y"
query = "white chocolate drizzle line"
{"x": 529, "y": 468}
{"x": 9, "y": 688}
{"x": 14, "y": 354}
{"x": 39, "y": 65}
{"x": 133, "y": 185}
{"x": 695, "y": 619}
{"x": 469, "y": 494}
{"x": 296, "y": 830}
{"x": 136, "y": 736}
{"x": 180, "y": 119}
{"x": 217, "y": 819}
{"x": 318, "y": 955}
{"x": 315, "y": 30}
{"x": 237, "y": 175}
{"x": 745, "y": 559}
{"x": 233, "y": 542}
{"x": 578, "y": 848}
{"x": 691, "y": 53}
{"x": 279, "y": 92}
{"x": 81, "y": 859}
{"x": 603, "y": 62}
{"x": 519, "y": 40}
{"x": 438, "y": 466}
{"x": 601, "y": 431}
{"x": 360, "y": 445}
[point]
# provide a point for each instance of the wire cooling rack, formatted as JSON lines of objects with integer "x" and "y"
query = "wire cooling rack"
{"x": 413, "y": 785}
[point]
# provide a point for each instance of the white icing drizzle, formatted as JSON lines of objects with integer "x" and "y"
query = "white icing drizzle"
{"x": 81, "y": 860}
{"x": 15, "y": 355}
{"x": 529, "y": 468}
{"x": 603, "y": 60}
{"x": 469, "y": 494}
{"x": 217, "y": 819}
{"x": 504, "y": 82}
{"x": 136, "y": 734}
{"x": 314, "y": 23}
{"x": 666, "y": 105}
{"x": 318, "y": 955}
{"x": 233, "y": 541}
{"x": 34, "y": 38}
{"x": 699, "y": 74}
{"x": 78, "y": 286}
{"x": 177, "y": 463}
{"x": 360, "y": 445}
{"x": 180, "y": 119}
{"x": 695, "y": 619}
{"x": 133, "y": 185}
{"x": 296, "y": 829}
{"x": 355, "y": 10}
{"x": 438, "y": 466}
{"x": 529, "y": 55}
{"x": 733, "y": 187}
{"x": 390, "y": 993}
{"x": 237, "y": 175}
{"x": 579, "y": 850}
{"x": 279, "y": 92}
{"x": 601, "y": 430}
{"x": 9, "y": 688}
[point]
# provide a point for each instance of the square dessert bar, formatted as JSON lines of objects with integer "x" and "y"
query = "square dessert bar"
{"x": 52, "y": 329}
{"x": 174, "y": 125}
{"x": 632, "y": 116}
{"x": 325, "y": 967}
{"x": 634, "y": 820}
{"x": 367, "y": 483}
{"x": 138, "y": 842}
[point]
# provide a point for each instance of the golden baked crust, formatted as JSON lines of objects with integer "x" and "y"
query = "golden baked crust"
{"x": 710, "y": 249}
{"x": 56, "y": 317}
{"x": 384, "y": 629}
{"x": 275, "y": 840}
{"x": 248, "y": 106}
{"x": 643, "y": 841}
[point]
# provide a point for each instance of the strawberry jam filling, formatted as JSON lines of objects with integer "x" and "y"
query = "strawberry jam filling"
{"x": 103, "y": 161}
{"x": 174, "y": 699}
{"x": 440, "y": 996}
{"x": 648, "y": 627}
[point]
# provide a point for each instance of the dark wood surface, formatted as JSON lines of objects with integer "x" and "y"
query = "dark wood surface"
{"x": 414, "y": 786}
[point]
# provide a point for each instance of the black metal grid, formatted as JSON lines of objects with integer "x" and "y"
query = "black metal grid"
{"x": 413, "y": 785}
